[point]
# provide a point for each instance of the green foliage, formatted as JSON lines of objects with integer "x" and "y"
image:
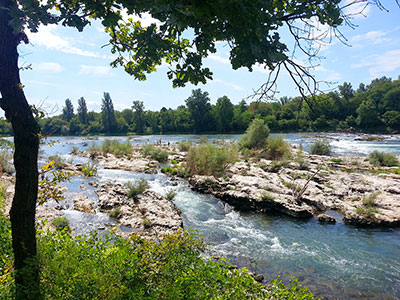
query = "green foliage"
{"x": 89, "y": 169}
{"x": 61, "y": 223}
{"x": 382, "y": 159}
{"x": 107, "y": 112}
{"x": 320, "y": 147}
{"x": 184, "y": 145}
{"x": 370, "y": 200}
{"x": 294, "y": 291}
{"x": 336, "y": 160}
{"x": 207, "y": 159}
{"x": 369, "y": 208}
{"x": 116, "y": 148}
{"x": 368, "y": 212}
{"x": 256, "y": 135}
{"x": 48, "y": 185}
{"x": 170, "y": 194}
{"x": 302, "y": 163}
{"x": 267, "y": 197}
{"x": 59, "y": 162}
{"x": 115, "y": 213}
{"x": 199, "y": 107}
{"x": 6, "y": 254}
{"x": 155, "y": 153}
{"x": 110, "y": 267}
{"x": 137, "y": 188}
{"x": 277, "y": 148}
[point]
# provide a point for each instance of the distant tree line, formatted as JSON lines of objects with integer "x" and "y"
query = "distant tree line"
{"x": 370, "y": 108}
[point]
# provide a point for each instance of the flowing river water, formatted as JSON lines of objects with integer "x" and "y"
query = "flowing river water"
{"x": 334, "y": 261}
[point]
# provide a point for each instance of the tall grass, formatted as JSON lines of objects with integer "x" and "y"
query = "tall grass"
{"x": 114, "y": 147}
{"x": 155, "y": 153}
{"x": 320, "y": 147}
{"x": 382, "y": 159}
{"x": 277, "y": 148}
{"x": 207, "y": 159}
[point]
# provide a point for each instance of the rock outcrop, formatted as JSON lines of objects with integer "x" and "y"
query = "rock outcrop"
{"x": 151, "y": 214}
{"x": 301, "y": 192}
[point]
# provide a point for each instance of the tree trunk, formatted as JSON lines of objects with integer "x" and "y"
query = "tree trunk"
{"x": 26, "y": 141}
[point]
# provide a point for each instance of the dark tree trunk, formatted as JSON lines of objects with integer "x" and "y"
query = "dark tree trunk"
{"x": 26, "y": 141}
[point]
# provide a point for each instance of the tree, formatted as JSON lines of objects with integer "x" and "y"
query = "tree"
{"x": 249, "y": 27}
{"x": 82, "y": 110}
{"x": 138, "y": 116}
{"x": 107, "y": 114}
{"x": 199, "y": 107}
{"x": 68, "y": 110}
{"x": 224, "y": 114}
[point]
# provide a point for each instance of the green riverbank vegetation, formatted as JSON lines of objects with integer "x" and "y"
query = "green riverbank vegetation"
{"x": 371, "y": 107}
{"x": 111, "y": 267}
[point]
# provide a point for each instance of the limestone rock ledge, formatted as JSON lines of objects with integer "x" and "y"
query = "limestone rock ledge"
{"x": 150, "y": 214}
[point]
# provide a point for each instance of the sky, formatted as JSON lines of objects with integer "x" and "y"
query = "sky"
{"x": 67, "y": 64}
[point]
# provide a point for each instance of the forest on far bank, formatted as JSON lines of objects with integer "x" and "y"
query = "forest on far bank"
{"x": 370, "y": 108}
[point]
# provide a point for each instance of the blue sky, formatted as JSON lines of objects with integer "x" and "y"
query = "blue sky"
{"x": 68, "y": 64}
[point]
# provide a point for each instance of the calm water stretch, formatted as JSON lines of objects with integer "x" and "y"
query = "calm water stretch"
{"x": 334, "y": 261}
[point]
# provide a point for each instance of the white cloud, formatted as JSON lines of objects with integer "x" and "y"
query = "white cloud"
{"x": 228, "y": 84}
{"x": 374, "y": 37}
{"x": 380, "y": 64}
{"x": 49, "y": 67}
{"x": 47, "y": 37}
{"x": 385, "y": 63}
{"x": 95, "y": 70}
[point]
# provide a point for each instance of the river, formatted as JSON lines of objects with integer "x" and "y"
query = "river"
{"x": 334, "y": 261}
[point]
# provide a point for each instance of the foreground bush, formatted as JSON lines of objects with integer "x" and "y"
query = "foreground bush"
{"x": 110, "y": 267}
{"x": 320, "y": 147}
{"x": 155, "y": 153}
{"x": 382, "y": 159}
{"x": 207, "y": 159}
{"x": 256, "y": 135}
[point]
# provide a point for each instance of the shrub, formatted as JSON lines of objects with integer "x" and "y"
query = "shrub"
{"x": 115, "y": 213}
{"x": 320, "y": 147}
{"x": 368, "y": 212}
{"x": 61, "y": 223}
{"x": 110, "y": 267}
{"x": 59, "y": 162}
{"x": 116, "y": 148}
{"x": 89, "y": 170}
{"x": 155, "y": 153}
{"x": 207, "y": 159}
{"x": 382, "y": 159}
{"x": 184, "y": 145}
{"x": 137, "y": 188}
{"x": 170, "y": 195}
{"x": 256, "y": 135}
{"x": 277, "y": 148}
